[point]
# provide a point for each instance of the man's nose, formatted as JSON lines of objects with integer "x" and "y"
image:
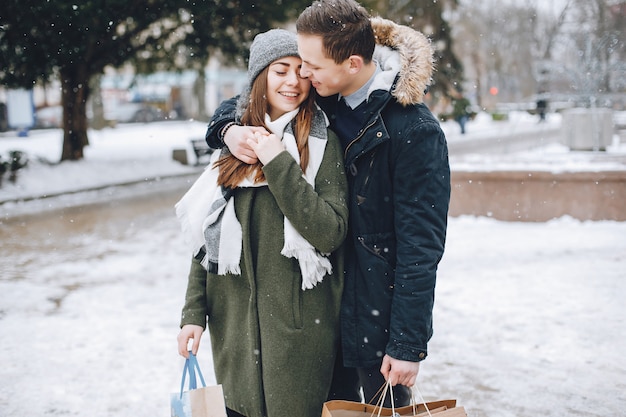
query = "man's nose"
{"x": 304, "y": 71}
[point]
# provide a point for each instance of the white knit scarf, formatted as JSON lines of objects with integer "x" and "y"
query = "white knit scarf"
{"x": 210, "y": 225}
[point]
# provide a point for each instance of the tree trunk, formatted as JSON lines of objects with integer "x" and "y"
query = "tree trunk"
{"x": 97, "y": 121}
{"x": 74, "y": 94}
{"x": 199, "y": 89}
{"x": 478, "y": 68}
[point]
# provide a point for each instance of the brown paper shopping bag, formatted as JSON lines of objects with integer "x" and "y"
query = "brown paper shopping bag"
{"x": 197, "y": 402}
{"x": 343, "y": 408}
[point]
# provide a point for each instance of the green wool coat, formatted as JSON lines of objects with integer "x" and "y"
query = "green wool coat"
{"x": 273, "y": 344}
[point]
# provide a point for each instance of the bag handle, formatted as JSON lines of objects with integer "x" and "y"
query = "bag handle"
{"x": 191, "y": 366}
{"x": 381, "y": 400}
{"x": 421, "y": 399}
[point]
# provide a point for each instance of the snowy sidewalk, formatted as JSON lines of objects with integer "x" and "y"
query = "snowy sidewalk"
{"x": 125, "y": 154}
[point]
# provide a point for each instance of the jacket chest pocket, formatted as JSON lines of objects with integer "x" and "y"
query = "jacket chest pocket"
{"x": 371, "y": 194}
{"x": 362, "y": 177}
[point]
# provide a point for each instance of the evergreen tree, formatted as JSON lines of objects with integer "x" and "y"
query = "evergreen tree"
{"x": 75, "y": 41}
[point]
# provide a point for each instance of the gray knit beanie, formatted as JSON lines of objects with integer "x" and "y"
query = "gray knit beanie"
{"x": 266, "y": 48}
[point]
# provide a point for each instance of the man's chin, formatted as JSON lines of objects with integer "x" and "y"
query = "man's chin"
{"x": 322, "y": 92}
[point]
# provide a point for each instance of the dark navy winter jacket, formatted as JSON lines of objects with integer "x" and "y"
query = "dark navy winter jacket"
{"x": 399, "y": 178}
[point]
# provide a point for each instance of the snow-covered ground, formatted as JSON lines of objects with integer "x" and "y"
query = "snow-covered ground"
{"x": 127, "y": 153}
{"x": 529, "y": 317}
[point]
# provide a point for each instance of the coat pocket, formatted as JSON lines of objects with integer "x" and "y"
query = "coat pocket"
{"x": 380, "y": 245}
{"x": 296, "y": 308}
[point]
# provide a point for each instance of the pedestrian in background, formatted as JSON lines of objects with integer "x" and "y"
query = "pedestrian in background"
{"x": 542, "y": 107}
{"x": 461, "y": 111}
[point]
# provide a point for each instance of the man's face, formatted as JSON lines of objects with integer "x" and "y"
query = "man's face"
{"x": 326, "y": 76}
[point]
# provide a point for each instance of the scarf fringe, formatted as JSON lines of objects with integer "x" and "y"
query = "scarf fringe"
{"x": 228, "y": 269}
{"x": 222, "y": 268}
{"x": 313, "y": 265}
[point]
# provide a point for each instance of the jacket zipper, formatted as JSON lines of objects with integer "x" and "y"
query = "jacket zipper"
{"x": 345, "y": 154}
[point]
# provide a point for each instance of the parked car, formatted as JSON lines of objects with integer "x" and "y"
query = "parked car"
{"x": 135, "y": 112}
{"x": 49, "y": 117}
{"x": 147, "y": 114}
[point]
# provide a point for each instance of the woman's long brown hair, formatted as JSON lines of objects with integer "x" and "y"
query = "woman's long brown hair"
{"x": 233, "y": 171}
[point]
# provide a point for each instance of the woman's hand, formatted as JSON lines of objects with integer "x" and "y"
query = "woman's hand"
{"x": 266, "y": 147}
{"x": 189, "y": 331}
{"x": 236, "y": 139}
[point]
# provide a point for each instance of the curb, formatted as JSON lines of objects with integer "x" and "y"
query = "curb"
{"x": 97, "y": 188}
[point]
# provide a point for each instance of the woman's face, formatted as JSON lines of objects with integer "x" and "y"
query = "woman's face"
{"x": 286, "y": 90}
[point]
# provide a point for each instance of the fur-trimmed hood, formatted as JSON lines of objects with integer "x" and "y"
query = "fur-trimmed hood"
{"x": 400, "y": 49}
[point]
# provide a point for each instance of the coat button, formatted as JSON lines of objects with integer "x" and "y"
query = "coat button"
{"x": 379, "y": 134}
{"x": 422, "y": 355}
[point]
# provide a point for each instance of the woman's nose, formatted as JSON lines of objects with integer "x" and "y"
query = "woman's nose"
{"x": 293, "y": 77}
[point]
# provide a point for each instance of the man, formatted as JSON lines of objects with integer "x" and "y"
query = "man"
{"x": 461, "y": 111}
{"x": 397, "y": 162}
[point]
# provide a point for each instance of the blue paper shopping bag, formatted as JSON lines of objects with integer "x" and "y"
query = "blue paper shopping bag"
{"x": 197, "y": 402}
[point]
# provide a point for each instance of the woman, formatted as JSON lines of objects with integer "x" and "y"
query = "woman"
{"x": 267, "y": 271}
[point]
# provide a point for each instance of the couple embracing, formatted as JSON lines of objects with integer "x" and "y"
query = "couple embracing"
{"x": 318, "y": 227}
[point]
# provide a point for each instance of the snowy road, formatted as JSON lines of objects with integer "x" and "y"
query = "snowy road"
{"x": 60, "y": 235}
{"x": 505, "y": 142}
{"x": 89, "y": 305}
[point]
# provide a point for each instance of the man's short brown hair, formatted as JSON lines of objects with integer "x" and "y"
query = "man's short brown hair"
{"x": 343, "y": 25}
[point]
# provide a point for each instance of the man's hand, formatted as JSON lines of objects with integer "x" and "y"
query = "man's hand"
{"x": 399, "y": 372}
{"x": 266, "y": 147}
{"x": 236, "y": 139}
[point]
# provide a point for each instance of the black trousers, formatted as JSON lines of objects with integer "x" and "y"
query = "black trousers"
{"x": 348, "y": 383}
{"x": 231, "y": 413}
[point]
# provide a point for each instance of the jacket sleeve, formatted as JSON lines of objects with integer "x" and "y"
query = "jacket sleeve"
{"x": 421, "y": 199}
{"x": 320, "y": 215}
{"x": 224, "y": 114}
{"x": 195, "y": 308}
